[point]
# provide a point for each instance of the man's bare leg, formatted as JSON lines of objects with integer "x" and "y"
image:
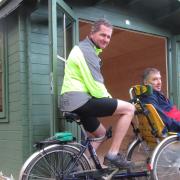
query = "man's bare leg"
{"x": 126, "y": 112}
{"x": 100, "y": 132}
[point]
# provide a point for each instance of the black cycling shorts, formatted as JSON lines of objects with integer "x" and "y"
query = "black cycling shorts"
{"x": 95, "y": 107}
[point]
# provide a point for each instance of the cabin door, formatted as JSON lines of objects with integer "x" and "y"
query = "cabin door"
{"x": 63, "y": 32}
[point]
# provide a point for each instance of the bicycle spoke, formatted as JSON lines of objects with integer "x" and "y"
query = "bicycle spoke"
{"x": 55, "y": 163}
{"x": 167, "y": 162}
{"x": 32, "y": 176}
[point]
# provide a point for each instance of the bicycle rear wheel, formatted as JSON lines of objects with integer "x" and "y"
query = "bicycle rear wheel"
{"x": 55, "y": 162}
{"x": 166, "y": 159}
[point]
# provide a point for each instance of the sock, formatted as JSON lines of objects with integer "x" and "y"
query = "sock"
{"x": 111, "y": 155}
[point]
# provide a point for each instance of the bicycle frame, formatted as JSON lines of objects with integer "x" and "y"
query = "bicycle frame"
{"x": 79, "y": 151}
{"x": 89, "y": 147}
{"x": 93, "y": 154}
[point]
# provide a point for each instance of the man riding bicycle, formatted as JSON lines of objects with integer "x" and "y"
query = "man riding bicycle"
{"x": 83, "y": 92}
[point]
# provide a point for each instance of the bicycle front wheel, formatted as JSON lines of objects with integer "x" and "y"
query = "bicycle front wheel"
{"x": 54, "y": 162}
{"x": 166, "y": 159}
{"x": 139, "y": 153}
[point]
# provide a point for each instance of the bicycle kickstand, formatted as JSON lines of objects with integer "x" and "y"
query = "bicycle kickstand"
{"x": 109, "y": 177}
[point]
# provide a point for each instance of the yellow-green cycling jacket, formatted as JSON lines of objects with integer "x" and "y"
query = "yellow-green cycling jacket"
{"x": 83, "y": 79}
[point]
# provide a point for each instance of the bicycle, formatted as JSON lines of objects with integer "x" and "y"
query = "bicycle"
{"x": 66, "y": 159}
{"x": 63, "y": 158}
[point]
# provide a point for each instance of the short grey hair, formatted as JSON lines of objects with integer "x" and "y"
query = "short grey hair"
{"x": 96, "y": 26}
{"x": 148, "y": 71}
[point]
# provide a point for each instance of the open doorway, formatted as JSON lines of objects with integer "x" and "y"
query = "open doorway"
{"x": 124, "y": 60}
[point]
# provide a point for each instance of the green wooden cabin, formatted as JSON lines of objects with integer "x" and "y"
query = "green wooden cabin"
{"x": 35, "y": 39}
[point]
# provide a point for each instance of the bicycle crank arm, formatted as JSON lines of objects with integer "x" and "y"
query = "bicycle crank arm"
{"x": 109, "y": 177}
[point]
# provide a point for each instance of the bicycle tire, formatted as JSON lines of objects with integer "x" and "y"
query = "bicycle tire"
{"x": 139, "y": 153}
{"x": 53, "y": 162}
{"x": 166, "y": 159}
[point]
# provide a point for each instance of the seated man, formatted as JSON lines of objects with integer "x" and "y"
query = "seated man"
{"x": 168, "y": 112}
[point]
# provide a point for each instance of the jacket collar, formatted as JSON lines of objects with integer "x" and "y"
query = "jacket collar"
{"x": 97, "y": 50}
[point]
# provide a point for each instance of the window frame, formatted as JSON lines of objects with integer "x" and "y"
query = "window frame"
{"x": 3, "y": 114}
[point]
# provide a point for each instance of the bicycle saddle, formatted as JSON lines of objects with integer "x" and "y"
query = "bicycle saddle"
{"x": 70, "y": 117}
